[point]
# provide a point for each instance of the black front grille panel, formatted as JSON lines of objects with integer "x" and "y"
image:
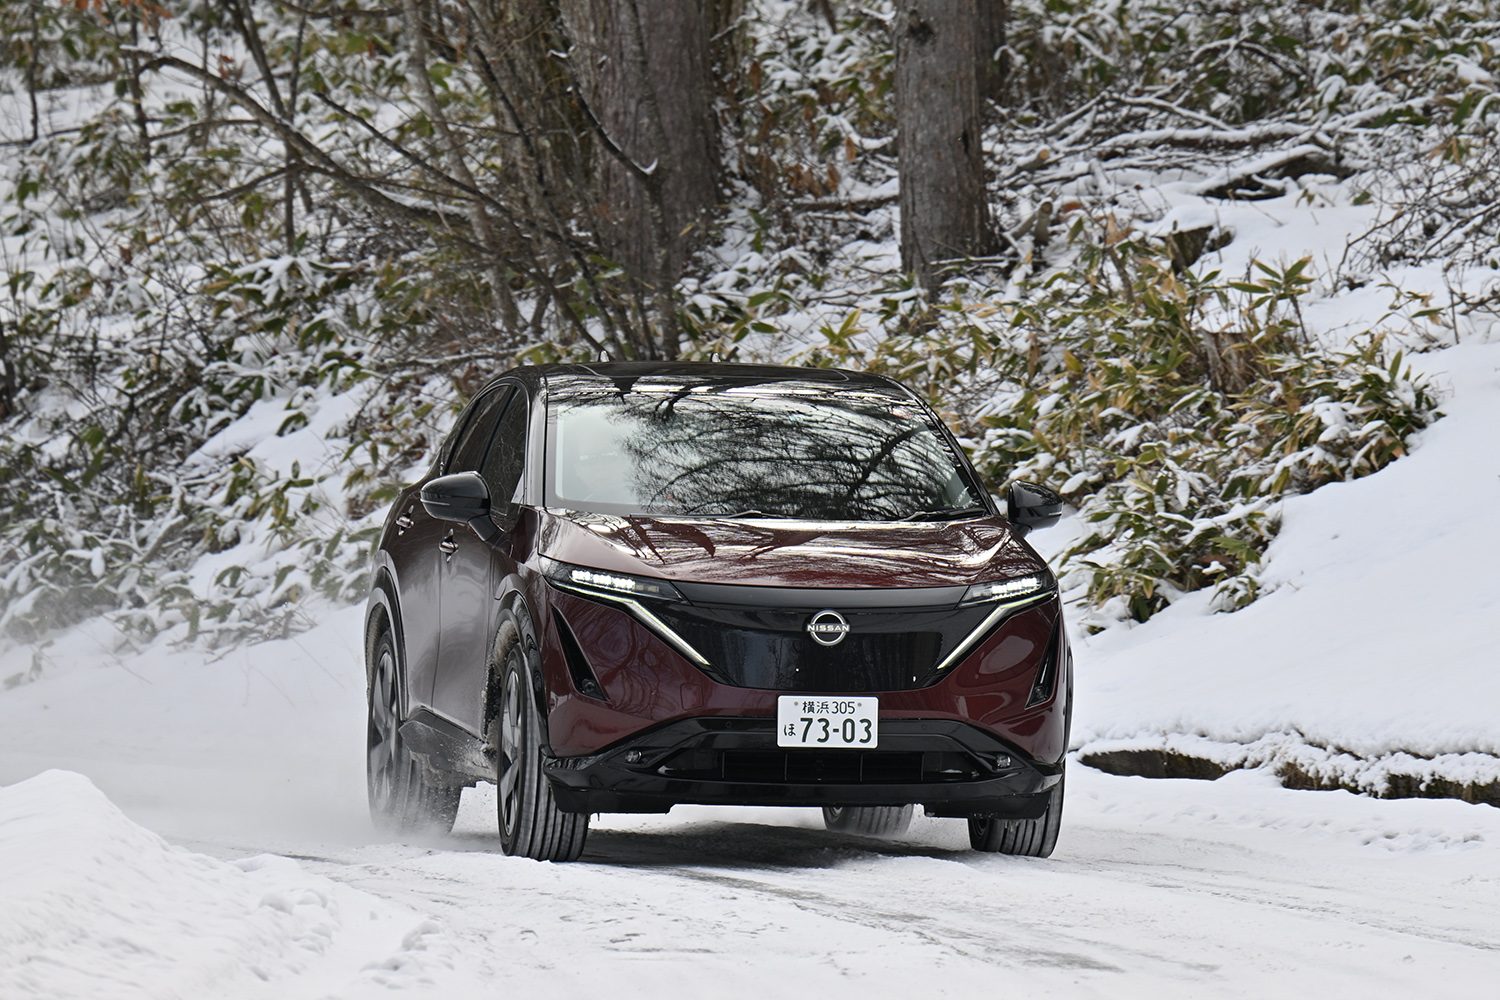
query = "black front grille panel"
{"x": 839, "y": 767}
{"x": 951, "y": 768}
{"x": 884, "y": 650}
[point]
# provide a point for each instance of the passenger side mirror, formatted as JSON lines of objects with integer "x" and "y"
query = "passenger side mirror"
{"x": 1029, "y": 506}
{"x": 460, "y": 496}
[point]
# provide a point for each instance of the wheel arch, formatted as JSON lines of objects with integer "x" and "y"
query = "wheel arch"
{"x": 516, "y": 610}
{"x": 384, "y": 608}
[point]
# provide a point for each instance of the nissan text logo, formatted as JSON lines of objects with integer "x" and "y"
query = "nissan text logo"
{"x": 828, "y": 628}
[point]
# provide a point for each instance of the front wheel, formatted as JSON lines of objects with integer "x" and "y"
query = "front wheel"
{"x": 872, "y": 821}
{"x": 1032, "y": 838}
{"x": 531, "y": 825}
{"x": 404, "y": 797}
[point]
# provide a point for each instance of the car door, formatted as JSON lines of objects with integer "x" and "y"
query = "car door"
{"x": 434, "y": 547}
{"x": 473, "y": 569}
{"x": 417, "y": 562}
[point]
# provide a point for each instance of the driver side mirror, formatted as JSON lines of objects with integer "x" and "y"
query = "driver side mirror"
{"x": 1029, "y": 506}
{"x": 460, "y": 496}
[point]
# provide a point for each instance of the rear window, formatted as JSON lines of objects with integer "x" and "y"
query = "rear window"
{"x": 723, "y": 448}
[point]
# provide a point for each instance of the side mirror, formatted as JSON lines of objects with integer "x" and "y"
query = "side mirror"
{"x": 461, "y": 496}
{"x": 1029, "y": 506}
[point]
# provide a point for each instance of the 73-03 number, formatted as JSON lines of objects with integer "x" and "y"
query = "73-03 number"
{"x": 803, "y": 721}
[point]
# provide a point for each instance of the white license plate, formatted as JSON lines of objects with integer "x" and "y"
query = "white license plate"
{"x": 803, "y": 721}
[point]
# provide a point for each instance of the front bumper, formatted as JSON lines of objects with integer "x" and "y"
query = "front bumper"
{"x": 623, "y": 681}
{"x": 950, "y": 768}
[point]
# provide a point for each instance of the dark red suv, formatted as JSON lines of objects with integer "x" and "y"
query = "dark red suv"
{"x": 630, "y": 585}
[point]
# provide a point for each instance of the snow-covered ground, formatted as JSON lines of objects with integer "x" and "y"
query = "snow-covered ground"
{"x": 96, "y": 906}
{"x": 1378, "y": 638}
{"x": 1375, "y": 641}
{"x": 1234, "y": 888}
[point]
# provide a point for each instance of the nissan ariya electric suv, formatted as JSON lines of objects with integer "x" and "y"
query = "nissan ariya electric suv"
{"x": 625, "y": 586}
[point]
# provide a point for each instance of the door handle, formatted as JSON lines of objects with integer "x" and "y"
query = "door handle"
{"x": 448, "y": 545}
{"x": 403, "y": 522}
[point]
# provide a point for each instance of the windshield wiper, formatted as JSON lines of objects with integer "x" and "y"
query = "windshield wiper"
{"x": 953, "y": 514}
{"x": 749, "y": 513}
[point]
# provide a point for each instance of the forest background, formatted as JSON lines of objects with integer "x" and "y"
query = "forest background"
{"x": 235, "y": 234}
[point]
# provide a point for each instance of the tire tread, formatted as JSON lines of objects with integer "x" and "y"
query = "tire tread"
{"x": 422, "y": 802}
{"x": 868, "y": 821}
{"x": 1031, "y": 838}
{"x": 543, "y": 832}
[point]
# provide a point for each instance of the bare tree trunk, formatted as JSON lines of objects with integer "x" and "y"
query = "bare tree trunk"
{"x": 137, "y": 95}
{"x": 944, "y": 212}
{"x": 647, "y": 73}
{"x": 245, "y": 14}
{"x": 8, "y": 379}
{"x": 293, "y": 161}
{"x": 991, "y": 35}
{"x": 825, "y": 7}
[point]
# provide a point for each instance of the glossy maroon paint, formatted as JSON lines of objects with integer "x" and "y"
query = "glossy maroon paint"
{"x": 771, "y": 554}
{"x": 649, "y": 683}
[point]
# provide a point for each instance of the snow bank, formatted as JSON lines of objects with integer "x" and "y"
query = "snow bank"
{"x": 92, "y": 905}
{"x": 1378, "y": 637}
{"x": 1473, "y": 777}
{"x": 238, "y": 744}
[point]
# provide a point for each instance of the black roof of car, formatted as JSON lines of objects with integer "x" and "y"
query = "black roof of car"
{"x": 628, "y": 371}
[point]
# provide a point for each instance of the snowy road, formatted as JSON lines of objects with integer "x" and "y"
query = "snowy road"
{"x": 1230, "y": 888}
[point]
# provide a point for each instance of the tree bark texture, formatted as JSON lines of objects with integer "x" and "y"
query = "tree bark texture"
{"x": 991, "y": 35}
{"x": 647, "y": 71}
{"x": 944, "y": 211}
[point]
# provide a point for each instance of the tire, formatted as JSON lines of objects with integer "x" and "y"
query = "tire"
{"x": 871, "y": 821}
{"x": 1031, "y": 838}
{"x": 405, "y": 795}
{"x": 531, "y": 825}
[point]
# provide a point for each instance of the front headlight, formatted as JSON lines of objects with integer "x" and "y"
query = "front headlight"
{"x": 600, "y": 581}
{"x": 1004, "y": 598}
{"x": 1032, "y": 586}
{"x": 625, "y": 590}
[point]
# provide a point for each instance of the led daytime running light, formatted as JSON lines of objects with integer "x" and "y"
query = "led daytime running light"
{"x": 594, "y": 579}
{"x": 612, "y": 581}
{"x": 1013, "y": 589}
{"x": 585, "y": 580}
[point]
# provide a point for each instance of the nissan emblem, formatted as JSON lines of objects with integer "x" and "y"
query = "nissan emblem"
{"x": 828, "y": 628}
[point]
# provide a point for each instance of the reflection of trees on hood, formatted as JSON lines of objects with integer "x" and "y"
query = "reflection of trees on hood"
{"x": 848, "y": 457}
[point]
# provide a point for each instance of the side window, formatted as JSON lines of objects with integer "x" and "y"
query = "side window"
{"x": 507, "y": 456}
{"x": 468, "y": 454}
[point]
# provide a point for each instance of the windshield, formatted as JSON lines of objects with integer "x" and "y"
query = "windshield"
{"x": 732, "y": 447}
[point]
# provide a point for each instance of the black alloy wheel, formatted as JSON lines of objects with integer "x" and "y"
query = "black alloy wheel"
{"x": 871, "y": 821}
{"x": 404, "y": 798}
{"x": 1032, "y": 838}
{"x": 531, "y": 825}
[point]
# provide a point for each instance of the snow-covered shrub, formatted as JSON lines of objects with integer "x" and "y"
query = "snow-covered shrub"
{"x": 1403, "y": 95}
{"x": 166, "y": 318}
{"x": 814, "y": 101}
{"x": 1175, "y": 409}
{"x": 1172, "y": 409}
{"x": 114, "y": 487}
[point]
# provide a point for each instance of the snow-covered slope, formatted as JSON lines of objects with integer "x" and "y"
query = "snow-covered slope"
{"x": 1378, "y": 637}
{"x": 92, "y": 905}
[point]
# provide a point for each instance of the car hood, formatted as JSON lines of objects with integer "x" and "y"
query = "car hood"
{"x": 787, "y": 553}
